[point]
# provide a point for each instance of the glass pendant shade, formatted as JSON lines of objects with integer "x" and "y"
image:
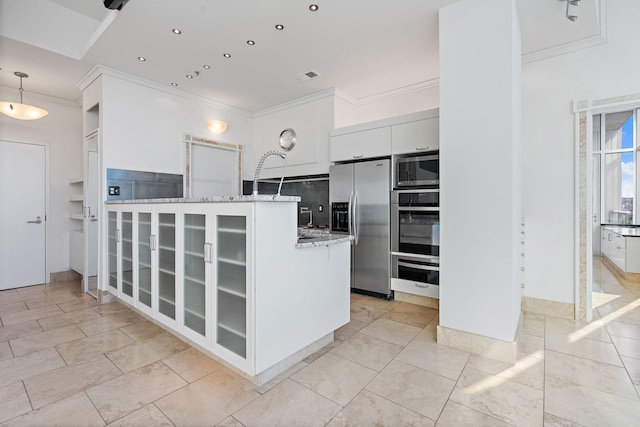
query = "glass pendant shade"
{"x": 21, "y": 111}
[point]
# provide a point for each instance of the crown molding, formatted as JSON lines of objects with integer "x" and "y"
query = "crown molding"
{"x": 41, "y": 97}
{"x": 427, "y": 84}
{"x": 296, "y": 102}
{"x": 100, "y": 70}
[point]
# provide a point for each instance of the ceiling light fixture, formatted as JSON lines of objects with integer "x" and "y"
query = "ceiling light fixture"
{"x": 279, "y": 27}
{"x": 176, "y": 31}
{"x": 227, "y": 55}
{"x": 22, "y": 111}
{"x": 189, "y": 76}
{"x": 251, "y": 42}
{"x": 142, "y": 58}
{"x": 217, "y": 127}
{"x": 174, "y": 84}
{"x": 313, "y": 7}
{"x": 206, "y": 67}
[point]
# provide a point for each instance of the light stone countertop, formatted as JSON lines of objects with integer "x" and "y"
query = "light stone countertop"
{"x": 212, "y": 199}
{"x": 314, "y": 237}
{"x": 625, "y": 231}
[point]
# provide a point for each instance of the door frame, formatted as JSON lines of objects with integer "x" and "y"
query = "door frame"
{"x": 583, "y": 124}
{"x": 47, "y": 229}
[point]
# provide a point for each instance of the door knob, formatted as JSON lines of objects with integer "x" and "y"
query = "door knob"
{"x": 93, "y": 218}
{"x": 37, "y": 221}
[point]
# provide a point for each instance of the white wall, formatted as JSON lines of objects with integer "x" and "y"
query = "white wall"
{"x": 61, "y": 131}
{"x": 143, "y": 127}
{"x": 479, "y": 167}
{"x": 549, "y": 88}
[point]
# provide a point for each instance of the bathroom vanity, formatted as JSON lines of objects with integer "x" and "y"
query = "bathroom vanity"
{"x": 229, "y": 275}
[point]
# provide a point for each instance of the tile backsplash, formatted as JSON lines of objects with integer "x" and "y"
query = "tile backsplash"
{"x": 131, "y": 185}
{"x": 313, "y": 191}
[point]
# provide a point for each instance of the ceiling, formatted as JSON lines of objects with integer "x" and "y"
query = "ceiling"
{"x": 361, "y": 47}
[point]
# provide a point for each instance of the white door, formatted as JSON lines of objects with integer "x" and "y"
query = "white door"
{"x": 22, "y": 214}
{"x": 91, "y": 213}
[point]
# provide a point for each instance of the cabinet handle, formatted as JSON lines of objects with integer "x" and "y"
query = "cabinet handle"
{"x": 609, "y": 237}
{"x": 208, "y": 252}
{"x": 359, "y": 156}
{"x": 422, "y": 148}
{"x": 117, "y": 235}
{"x": 152, "y": 242}
{"x": 420, "y": 285}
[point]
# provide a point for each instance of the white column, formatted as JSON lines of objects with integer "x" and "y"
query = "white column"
{"x": 480, "y": 134}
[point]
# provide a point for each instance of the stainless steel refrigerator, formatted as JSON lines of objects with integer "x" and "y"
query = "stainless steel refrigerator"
{"x": 365, "y": 187}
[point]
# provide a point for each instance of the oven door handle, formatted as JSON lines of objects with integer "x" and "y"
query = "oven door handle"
{"x": 416, "y": 208}
{"x": 418, "y": 266}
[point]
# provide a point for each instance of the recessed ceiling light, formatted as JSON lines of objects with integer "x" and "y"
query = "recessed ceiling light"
{"x": 206, "y": 67}
{"x": 142, "y": 58}
{"x": 250, "y": 42}
{"x": 189, "y": 76}
{"x": 174, "y": 84}
{"x": 227, "y": 55}
{"x": 176, "y": 31}
{"x": 279, "y": 27}
{"x": 313, "y": 7}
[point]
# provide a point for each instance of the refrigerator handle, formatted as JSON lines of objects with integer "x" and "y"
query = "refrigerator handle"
{"x": 350, "y": 214}
{"x": 356, "y": 225}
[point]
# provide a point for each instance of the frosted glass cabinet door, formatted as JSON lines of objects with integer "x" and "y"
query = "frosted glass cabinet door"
{"x": 112, "y": 250}
{"x": 127, "y": 254}
{"x": 144, "y": 258}
{"x": 231, "y": 249}
{"x": 194, "y": 273}
{"x": 167, "y": 264}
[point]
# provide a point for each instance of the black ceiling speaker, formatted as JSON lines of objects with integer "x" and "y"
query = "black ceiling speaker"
{"x": 115, "y": 4}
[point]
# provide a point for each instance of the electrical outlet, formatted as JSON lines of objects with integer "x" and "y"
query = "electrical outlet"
{"x": 320, "y": 208}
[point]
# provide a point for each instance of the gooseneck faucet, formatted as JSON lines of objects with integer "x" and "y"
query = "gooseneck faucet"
{"x": 261, "y": 163}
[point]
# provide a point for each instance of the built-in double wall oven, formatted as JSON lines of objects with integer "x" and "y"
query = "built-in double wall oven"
{"x": 415, "y": 240}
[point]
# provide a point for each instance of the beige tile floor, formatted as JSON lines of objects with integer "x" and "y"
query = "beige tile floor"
{"x": 65, "y": 360}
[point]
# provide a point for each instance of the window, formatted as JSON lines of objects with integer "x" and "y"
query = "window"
{"x": 615, "y": 148}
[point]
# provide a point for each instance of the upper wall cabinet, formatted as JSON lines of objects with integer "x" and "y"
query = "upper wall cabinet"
{"x": 312, "y": 122}
{"x": 360, "y": 145}
{"x": 411, "y": 133}
{"x": 414, "y": 137}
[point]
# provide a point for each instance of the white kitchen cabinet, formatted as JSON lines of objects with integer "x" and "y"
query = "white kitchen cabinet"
{"x": 416, "y": 136}
{"x": 360, "y": 145}
{"x": 614, "y": 247}
{"x": 415, "y": 288}
{"x": 621, "y": 246}
{"x": 223, "y": 274}
{"x": 145, "y": 225}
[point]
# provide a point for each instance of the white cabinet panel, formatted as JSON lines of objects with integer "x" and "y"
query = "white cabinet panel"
{"x": 361, "y": 145}
{"x": 414, "y": 137}
{"x": 416, "y": 288}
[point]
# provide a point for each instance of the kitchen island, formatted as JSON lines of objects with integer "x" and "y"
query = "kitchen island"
{"x": 229, "y": 275}
{"x": 620, "y": 246}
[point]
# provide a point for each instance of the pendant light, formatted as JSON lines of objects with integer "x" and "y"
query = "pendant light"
{"x": 22, "y": 111}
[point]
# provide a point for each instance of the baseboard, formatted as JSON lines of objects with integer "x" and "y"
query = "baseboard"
{"x": 548, "y": 308}
{"x": 63, "y": 276}
{"x": 490, "y": 348}
{"x": 620, "y": 275}
{"x": 417, "y": 299}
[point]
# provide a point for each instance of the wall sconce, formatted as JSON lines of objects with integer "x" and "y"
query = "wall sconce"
{"x": 217, "y": 126}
